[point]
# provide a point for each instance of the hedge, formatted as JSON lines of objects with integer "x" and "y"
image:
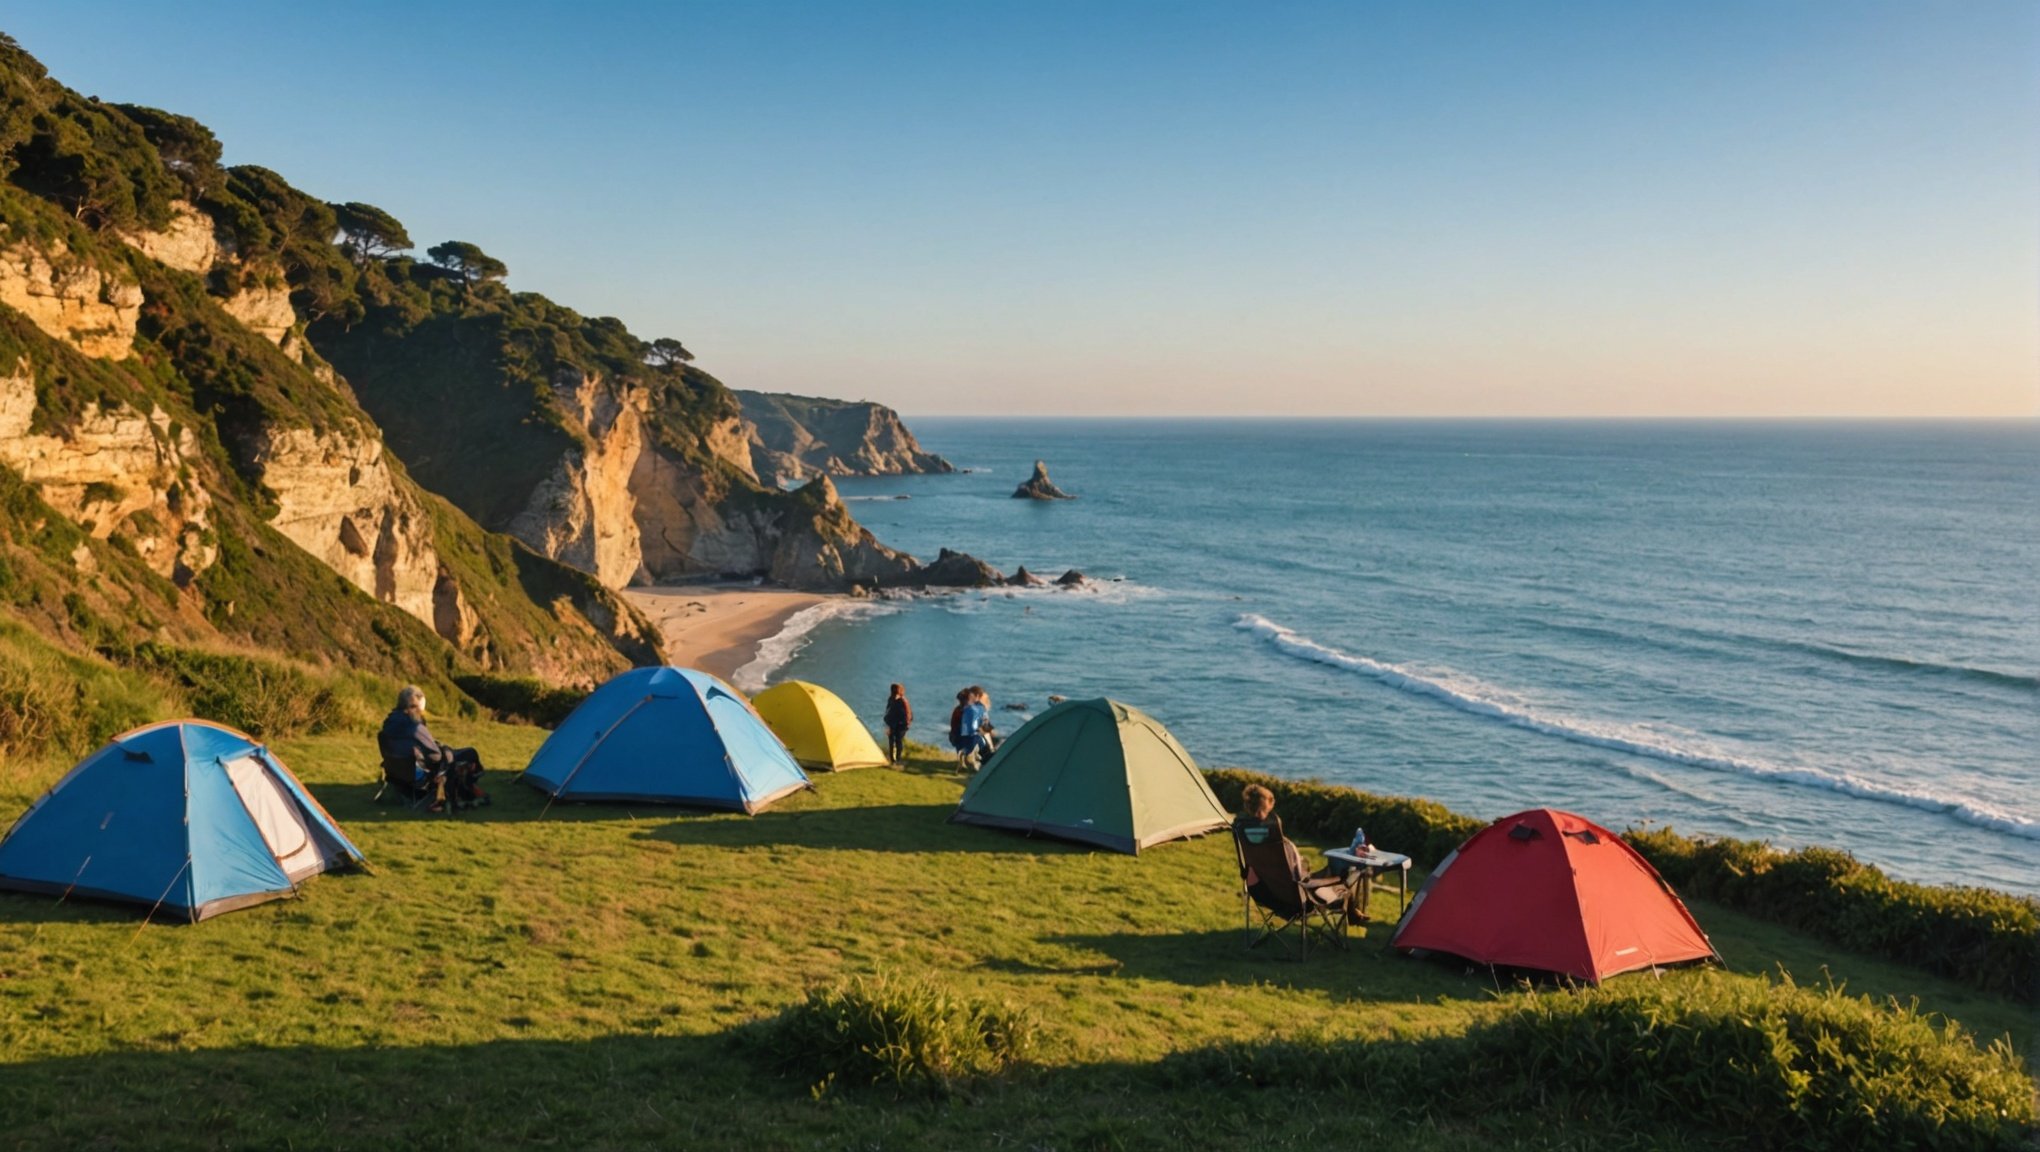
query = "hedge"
{"x": 1987, "y": 939}
{"x": 1982, "y": 937}
{"x": 1777, "y": 1065}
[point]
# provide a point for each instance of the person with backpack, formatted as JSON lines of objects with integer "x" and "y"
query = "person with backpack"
{"x": 899, "y": 716}
{"x": 967, "y": 726}
{"x": 416, "y": 762}
{"x": 970, "y": 726}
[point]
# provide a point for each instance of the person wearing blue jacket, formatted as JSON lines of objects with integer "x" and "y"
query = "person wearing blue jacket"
{"x": 970, "y": 730}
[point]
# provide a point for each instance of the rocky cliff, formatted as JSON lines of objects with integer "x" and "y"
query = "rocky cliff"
{"x": 793, "y": 438}
{"x": 572, "y": 440}
{"x": 176, "y": 463}
{"x": 73, "y": 299}
{"x": 116, "y": 472}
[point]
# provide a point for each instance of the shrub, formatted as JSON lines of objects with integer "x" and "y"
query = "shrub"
{"x": 908, "y": 1034}
{"x": 264, "y": 698}
{"x": 1791, "y": 1067}
{"x": 522, "y": 698}
{"x": 1987, "y": 939}
{"x": 1424, "y": 830}
{"x": 55, "y": 704}
{"x": 1984, "y": 938}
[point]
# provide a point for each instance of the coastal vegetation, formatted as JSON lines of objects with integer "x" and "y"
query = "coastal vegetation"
{"x": 209, "y": 364}
{"x": 1982, "y": 937}
{"x": 622, "y": 976}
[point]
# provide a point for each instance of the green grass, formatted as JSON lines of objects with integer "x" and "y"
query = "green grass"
{"x": 588, "y": 976}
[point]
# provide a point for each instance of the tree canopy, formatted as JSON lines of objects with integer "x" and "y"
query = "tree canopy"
{"x": 467, "y": 261}
{"x": 369, "y": 233}
{"x": 667, "y": 352}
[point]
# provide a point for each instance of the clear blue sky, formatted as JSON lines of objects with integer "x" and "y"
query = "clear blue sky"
{"x": 1348, "y": 208}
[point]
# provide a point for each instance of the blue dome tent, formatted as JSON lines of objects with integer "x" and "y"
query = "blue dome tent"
{"x": 190, "y": 818}
{"x": 670, "y": 736}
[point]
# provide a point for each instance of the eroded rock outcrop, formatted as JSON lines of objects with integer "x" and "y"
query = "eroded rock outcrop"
{"x": 189, "y": 243}
{"x": 1039, "y": 486}
{"x": 1022, "y": 578}
{"x": 793, "y": 438}
{"x": 117, "y": 472}
{"x": 338, "y": 499}
{"x": 265, "y": 308}
{"x": 69, "y": 298}
{"x": 584, "y": 513}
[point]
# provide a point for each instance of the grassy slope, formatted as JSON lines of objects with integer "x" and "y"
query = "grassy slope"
{"x": 578, "y": 979}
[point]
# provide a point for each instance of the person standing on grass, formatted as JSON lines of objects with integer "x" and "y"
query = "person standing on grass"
{"x": 899, "y": 716}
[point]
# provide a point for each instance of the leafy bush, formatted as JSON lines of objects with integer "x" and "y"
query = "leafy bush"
{"x": 1982, "y": 937}
{"x": 55, "y": 704}
{"x": 1423, "y": 830}
{"x": 522, "y": 698}
{"x": 1799, "y": 1068}
{"x": 264, "y": 698}
{"x": 909, "y": 1034}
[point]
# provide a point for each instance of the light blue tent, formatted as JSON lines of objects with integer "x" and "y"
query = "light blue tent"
{"x": 190, "y": 818}
{"x": 667, "y": 735}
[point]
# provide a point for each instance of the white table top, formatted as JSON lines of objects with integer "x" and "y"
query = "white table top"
{"x": 1369, "y": 857}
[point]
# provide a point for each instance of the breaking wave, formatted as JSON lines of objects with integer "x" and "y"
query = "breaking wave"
{"x": 775, "y": 651}
{"x": 1478, "y": 701}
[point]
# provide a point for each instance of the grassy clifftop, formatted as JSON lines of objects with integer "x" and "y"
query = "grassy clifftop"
{"x": 601, "y": 977}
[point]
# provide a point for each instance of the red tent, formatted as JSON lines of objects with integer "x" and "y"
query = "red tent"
{"x": 1555, "y": 892}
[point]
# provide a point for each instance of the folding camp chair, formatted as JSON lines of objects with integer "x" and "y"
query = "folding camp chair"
{"x": 1278, "y": 907}
{"x": 412, "y": 782}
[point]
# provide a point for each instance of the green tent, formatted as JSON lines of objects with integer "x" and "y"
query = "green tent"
{"x": 1094, "y": 771}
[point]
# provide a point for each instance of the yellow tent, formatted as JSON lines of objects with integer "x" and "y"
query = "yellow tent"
{"x": 818, "y": 728}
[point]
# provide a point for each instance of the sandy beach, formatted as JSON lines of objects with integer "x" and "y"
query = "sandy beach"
{"x": 718, "y": 627}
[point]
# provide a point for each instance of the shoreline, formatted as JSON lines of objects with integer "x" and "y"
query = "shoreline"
{"x": 719, "y": 628}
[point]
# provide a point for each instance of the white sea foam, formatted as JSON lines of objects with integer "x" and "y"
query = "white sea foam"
{"x": 1479, "y": 700}
{"x": 776, "y": 650}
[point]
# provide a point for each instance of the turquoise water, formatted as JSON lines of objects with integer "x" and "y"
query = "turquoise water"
{"x": 1801, "y": 633}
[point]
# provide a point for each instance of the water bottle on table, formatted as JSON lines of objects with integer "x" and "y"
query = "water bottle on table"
{"x": 1359, "y": 841}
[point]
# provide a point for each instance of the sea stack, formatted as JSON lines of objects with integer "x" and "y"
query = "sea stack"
{"x": 1040, "y": 487}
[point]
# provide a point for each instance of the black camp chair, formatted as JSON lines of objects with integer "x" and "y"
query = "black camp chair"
{"x": 413, "y": 782}
{"x": 1280, "y": 908}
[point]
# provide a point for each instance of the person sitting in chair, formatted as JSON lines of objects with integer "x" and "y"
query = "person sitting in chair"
{"x": 449, "y": 775}
{"x": 1257, "y": 821}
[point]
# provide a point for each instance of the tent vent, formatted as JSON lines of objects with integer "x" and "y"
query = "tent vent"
{"x": 1585, "y": 836}
{"x": 1525, "y": 832}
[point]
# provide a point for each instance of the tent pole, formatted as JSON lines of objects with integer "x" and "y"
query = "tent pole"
{"x": 160, "y": 899}
{"x": 590, "y": 752}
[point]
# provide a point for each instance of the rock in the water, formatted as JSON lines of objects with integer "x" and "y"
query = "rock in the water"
{"x": 1057, "y": 699}
{"x": 1016, "y": 707}
{"x": 1071, "y": 579}
{"x": 1039, "y": 486}
{"x": 1022, "y": 578}
{"x": 957, "y": 570}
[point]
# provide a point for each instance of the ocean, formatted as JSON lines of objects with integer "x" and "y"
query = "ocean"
{"x": 1802, "y": 633}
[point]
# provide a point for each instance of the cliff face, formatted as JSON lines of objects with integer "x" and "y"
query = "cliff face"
{"x": 89, "y": 307}
{"x": 796, "y": 437}
{"x": 175, "y": 464}
{"x": 338, "y": 500}
{"x": 117, "y": 472}
{"x": 569, "y": 440}
{"x": 581, "y": 513}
